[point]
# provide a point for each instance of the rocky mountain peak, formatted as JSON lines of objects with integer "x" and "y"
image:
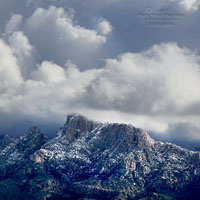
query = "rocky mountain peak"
{"x": 78, "y": 121}
{"x": 90, "y": 160}
{"x": 106, "y": 135}
{"x": 76, "y": 125}
{"x": 32, "y": 131}
{"x": 128, "y": 133}
{"x": 31, "y": 141}
{"x": 34, "y": 137}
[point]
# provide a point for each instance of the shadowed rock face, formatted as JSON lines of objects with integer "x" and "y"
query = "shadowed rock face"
{"x": 75, "y": 126}
{"x": 90, "y": 160}
{"x": 32, "y": 141}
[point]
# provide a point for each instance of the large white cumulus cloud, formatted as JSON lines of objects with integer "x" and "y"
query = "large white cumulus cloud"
{"x": 13, "y": 24}
{"x": 154, "y": 89}
{"x": 163, "y": 79}
{"x": 55, "y": 33}
{"x": 24, "y": 52}
{"x": 31, "y": 48}
{"x": 10, "y": 74}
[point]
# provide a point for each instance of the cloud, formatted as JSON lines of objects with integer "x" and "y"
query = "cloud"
{"x": 13, "y": 24}
{"x": 55, "y": 35}
{"x": 184, "y": 132}
{"x": 104, "y": 27}
{"x": 150, "y": 82}
{"x": 188, "y": 5}
{"x": 54, "y": 32}
{"x": 10, "y": 74}
{"x": 24, "y": 52}
{"x": 181, "y": 133}
{"x": 152, "y": 89}
{"x": 49, "y": 72}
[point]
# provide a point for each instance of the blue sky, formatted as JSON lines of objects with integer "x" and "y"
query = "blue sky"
{"x": 104, "y": 60}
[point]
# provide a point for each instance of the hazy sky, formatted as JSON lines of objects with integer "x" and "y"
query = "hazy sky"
{"x": 131, "y": 61}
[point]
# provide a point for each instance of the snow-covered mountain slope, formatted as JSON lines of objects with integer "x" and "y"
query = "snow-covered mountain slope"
{"x": 91, "y": 160}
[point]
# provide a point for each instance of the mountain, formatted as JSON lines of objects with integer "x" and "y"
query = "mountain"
{"x": 91, "y": 160}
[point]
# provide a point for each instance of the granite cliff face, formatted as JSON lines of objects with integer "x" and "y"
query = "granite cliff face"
{"x": 90, "y": 160}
